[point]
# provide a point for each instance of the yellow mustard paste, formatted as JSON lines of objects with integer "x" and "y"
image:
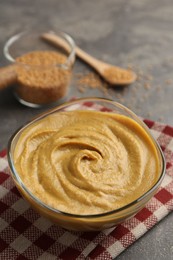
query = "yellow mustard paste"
{"x": 86, "y": 162}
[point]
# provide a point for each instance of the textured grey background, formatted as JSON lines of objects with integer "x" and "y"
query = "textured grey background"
{"x": 121, "y": 32}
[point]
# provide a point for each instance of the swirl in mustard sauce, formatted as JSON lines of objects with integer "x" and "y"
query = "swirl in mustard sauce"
{"x": 86, "y": 162}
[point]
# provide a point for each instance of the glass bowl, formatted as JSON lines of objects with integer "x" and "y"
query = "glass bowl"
{"x": 87, "y": 222}
{"x": 42, "y": 77}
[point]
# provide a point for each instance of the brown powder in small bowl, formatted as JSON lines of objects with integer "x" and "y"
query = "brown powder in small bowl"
{"x": 42, "y": 77}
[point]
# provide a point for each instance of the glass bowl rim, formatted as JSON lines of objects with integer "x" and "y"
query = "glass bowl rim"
{"x": 88, "y": 216}
{"x": 70, "y": 57}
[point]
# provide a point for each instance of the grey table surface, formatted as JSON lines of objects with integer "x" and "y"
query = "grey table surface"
{"x": 122, "y": 32}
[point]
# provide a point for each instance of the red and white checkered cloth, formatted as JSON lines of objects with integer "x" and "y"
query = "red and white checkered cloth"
{"x": 26, "y": 235}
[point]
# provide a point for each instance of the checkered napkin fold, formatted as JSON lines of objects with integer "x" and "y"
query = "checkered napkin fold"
{"x": 26, "y": 235}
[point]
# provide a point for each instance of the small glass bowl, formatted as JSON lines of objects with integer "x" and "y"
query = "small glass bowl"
{"x": 39, "y": 85}
{"x": 86, "y": 222}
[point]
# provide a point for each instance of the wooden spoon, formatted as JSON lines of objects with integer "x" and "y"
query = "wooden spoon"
{"x": 112, "y": 74}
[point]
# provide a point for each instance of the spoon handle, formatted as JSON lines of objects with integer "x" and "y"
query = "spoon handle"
{"x": 8, "y": 76}
{"x": 57, "y": 41}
